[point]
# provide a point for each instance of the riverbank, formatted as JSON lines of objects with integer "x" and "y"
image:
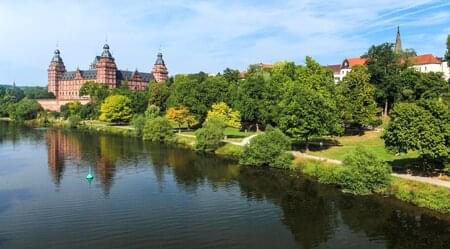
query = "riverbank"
{"x": 416, "y": 193}
{"x": 420, "y": 194}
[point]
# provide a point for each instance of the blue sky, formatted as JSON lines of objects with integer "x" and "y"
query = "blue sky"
{"x": 208, "y": 35}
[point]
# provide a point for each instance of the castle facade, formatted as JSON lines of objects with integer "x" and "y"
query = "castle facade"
{"x": 65, "y": 85}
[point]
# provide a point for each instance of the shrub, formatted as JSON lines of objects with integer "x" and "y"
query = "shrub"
{"x": 116, "y": 108}
{"x": 25, "y": 109}
{"x": 325, "y": 173}
{"x": 209, "y": 137}
{"x": 230, "y": 151}
{"x": 73, "y": 121}
{"x": 138, "y": 122}
{"x": 158, "y": 130}
{"x": 152, "y": 111}
{"x": 267, "y": 149}
{"x": 364, "y": 173}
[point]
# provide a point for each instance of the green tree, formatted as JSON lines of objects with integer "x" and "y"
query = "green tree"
{"x": 447, "y": 53}
{"x": 231, "y": 75}
{"x": 152, "y": 111}
{"x": 356, "y": 98}
{"x": 222, "y": 111}
{"x": 268, "y": 149}
{"x": 116, "y": 108}
{"x": 158, "y": 130}
{"x": 384, "y": 65}
{"x": 210, "y": 135}
{"x": 71, "y": 109}
{"x": 158, "y": 95}
{"x": 422, "y": 126}
{"x": 96, "y": 91}
{"x": 25, "y": 109}
{"x": 139, "y": 99}
{"x": 138, "y": 122}
{"x": 364, "y": 173}
{"x": 308, "y": 107}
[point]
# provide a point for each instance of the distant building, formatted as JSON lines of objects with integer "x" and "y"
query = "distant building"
{"x": 65, "y": 85}
{"x": 423, "y": 63}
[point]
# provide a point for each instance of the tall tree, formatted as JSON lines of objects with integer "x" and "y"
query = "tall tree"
{"x": 356, "y": 98}
{"x": 223, "y": 112}
{"x": 180, "y": 115}
{"x": 158, "y": 95}
{"x": 96, "y": 91}
{"x": 116, "y": 108}
{"x": 447, "y": 53}
{"x": 384, "y": 65}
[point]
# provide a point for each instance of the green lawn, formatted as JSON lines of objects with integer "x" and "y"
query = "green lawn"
{"x": 370, "y": 140}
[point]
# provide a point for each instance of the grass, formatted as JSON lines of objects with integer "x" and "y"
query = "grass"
{"x": 371, "y": 140}
{"x": 99, "y": 126}
{"x": 416, "y": 193}
{"x": 230, "y": 151}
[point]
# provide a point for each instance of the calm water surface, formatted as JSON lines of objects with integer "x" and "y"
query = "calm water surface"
{"x": 154, "y": 196}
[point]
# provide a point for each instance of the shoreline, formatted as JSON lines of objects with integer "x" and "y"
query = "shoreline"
{"x": 408, "y": 191}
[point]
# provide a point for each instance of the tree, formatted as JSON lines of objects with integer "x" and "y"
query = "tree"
{"x": 364, "y": 173}
{"x": 139, "y": 99}
{"x": 71, "y": 109}
{"x": 308, "y": 107}
{"x": 415, "y": 85}
{"x": 152, "y": 111}
{"x": 138, "y": 122}
{"x": 210, "y": 135}
{"x": 356, "y": 98}
{"x": 268, "y": 149}
{"x": 158, "y": 95}
{"x": 222, "y": 111}
{"x": 422, "y": 126}
{"x": 158, "y": 130}
{"x": 96, "y": 91}
{"x": 383, "y": 65}
{"x": 116, "y": 108}
{"x": 447, "y": 53}
{"x": 198, "y": 92}
{"x": 231, "y": 75}
{"x": 25, "y": 109}
{"x": 180, "y": 115}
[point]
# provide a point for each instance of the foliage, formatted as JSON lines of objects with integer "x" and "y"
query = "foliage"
{"x": 158, "y": 95}
{"x": 198, "y": 92}
{"x": 152, "y": 111}
{"x": 308, "y": 107}
{"x": 25, "y": 109}
{"x": 180, "y": 115}
{"x": 96, "y": 91}
{"x": 70, "y": 109}
{"x": 422, "y": 126}
{"x": 231, "y": 75}
{"x": 422, "y": 194}
{"x": 210, "y": 135}
{"x": 73, "y": 121}
{"x": 447, "y": 53}
{"x": 268, "y": 149}
{"x": 384, "y": 65}
{"x": 222, "y": 111}
{"x": 116, "y": 108}
{"x": 230, "y": 151}
{"x": 325, "y": 173}
{"x": 158, "y": 130}
{"x": 138, "y": 98}
{"x": 356, "y": 98}
{"x": 364, "y": 173}
{"x": 8, "y": 97}
{"x": 138, "y": 122}
{"x": 37, "y": 92}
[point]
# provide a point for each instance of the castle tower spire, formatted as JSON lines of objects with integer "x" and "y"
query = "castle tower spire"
{"x": 106, "y": 68}
{"x": 159, "y": 71}
{"x": 398, "y": 42}
{"x": 56, "y": 70}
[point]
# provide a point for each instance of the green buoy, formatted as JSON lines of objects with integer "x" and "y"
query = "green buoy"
{"x": 89, "y": 176}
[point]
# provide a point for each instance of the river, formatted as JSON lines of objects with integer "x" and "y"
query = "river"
{"x": 146, "y": 195}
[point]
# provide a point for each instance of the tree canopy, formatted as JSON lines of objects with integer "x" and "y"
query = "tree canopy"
{"x": 116, "y": 108}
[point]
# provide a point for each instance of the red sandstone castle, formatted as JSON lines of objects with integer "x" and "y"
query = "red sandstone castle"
{"x": 65, "y": 85}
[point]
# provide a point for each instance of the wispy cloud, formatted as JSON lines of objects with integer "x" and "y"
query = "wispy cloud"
{"x": 206, "y": 35}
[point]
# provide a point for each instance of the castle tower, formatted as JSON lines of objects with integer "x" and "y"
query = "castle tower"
{"x": 159, "y": 71}
{"x": 55, "y": 70}
{"x": 106, "y": 68}
{"x": 398, "y": 42}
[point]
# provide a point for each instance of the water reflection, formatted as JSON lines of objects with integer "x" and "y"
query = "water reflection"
{"x": 317, "y": 216}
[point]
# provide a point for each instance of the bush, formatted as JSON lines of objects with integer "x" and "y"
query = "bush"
{"x": 230, "y": 151}
{"x": 116, "y": 108}
{"x": 364, "y": 173}
{"x": 73, "y": 121}
{"x": 25, "y": 109}
{"x": 267, "y": 149}
{"x": 138, "y": 122}
{"x": 326, "y": 173}
{"x": 158, "y": 130}
{"x": 209, "y": 137}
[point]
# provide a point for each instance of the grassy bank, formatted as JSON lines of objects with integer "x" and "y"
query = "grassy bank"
{"x": 416, "y": 193}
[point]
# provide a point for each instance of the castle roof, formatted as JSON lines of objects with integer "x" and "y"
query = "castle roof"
{"x": 159, "y": 60}
{"x": 120, "y": 74}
